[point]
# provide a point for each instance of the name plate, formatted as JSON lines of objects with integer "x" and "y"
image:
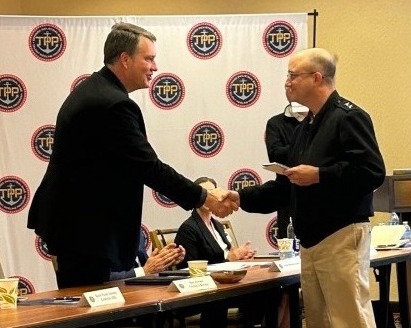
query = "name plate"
{"x": 286, "y": 265}
{"x": 102, "y": 297}
{"x": 192, "y": 284}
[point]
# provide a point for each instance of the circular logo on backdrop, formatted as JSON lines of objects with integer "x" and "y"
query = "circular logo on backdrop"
{"x": 243, "y": 178}
{"x": 47, "y": 42}
{"x": 243, "y": 89}
{"x": 206, "y": 139}
{"x": 280, "y": 39}
{"x": 25, "y": 286}
{"x": 42, "y": 142}
{"x": 146, "y": 233}
{"x": 42, "y": 248}
{"x": 78, "y": 80}
{"x": 167, "y": 91}
{"x": 163, "y": 200}
{"x": 13, "y": 93}
{"x": 14, "y": 194}
{"x": 270, "y": 232}
{"x": 204, "y": 40}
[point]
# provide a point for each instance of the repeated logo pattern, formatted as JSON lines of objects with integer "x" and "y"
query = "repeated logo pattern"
{"x": 47, "y": 42}
{"x": 280, "y": 39}
{"x": 42, "y": 142}
{"x": 243, "y": 178}
{"x": 14, "y": 194}
{"x": 167, "y": 91}
{"x": 13, "y": 93}
{"x": 206, "y": 139}
{"x": 163, "y": 200}
{"x": 204, "y": 40}
{"x": 243, "y": 89}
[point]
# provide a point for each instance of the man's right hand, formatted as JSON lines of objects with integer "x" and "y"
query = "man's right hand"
{"x": 222, "y": 202}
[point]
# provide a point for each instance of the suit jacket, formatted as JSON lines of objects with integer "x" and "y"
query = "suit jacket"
{"x": 141, "y": 251}
{"x": 340, "y": 141}
{"x": 279, "y": 130}
{"x": 278, "y": 133}
{"x": 199, "y": 242}
{"x": 90, "y": 200}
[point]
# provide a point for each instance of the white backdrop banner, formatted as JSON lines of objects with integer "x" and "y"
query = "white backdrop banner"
{"x": 220, "y": 79}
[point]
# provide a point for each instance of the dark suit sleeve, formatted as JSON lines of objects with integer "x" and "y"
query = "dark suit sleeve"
{"x": 142, "y": 252}
{"x": 126, "y": 139}
{"x": 364, "y": 167}
{"x": 277, "y": 147}
{"x": 265, "y": 198}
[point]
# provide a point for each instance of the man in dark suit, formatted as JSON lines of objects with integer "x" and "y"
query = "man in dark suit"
{"x": 278, "y": 133}
{"x": 88, "y": 206}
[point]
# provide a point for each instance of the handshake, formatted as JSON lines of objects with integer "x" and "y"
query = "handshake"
{"x": 222, "y": 202}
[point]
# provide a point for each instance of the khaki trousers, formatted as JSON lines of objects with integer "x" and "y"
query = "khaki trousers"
{"x": 335, "y": 280}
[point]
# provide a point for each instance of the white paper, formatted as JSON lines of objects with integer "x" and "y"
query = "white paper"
{"x": 275, "y": 167}
{"x": 230, "y": 266}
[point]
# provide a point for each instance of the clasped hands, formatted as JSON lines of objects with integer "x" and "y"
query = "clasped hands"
{"x": 160, "y": 260}
{"x": 222, "y": 202}
{"x": 243, "y": 252}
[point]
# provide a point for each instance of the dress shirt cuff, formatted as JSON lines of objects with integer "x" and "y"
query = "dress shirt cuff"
{"x": 203, "y": 197}
{"x": 139, "y": 272}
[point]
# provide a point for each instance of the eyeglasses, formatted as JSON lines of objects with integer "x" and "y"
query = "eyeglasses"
{"x": 291, "y": 76}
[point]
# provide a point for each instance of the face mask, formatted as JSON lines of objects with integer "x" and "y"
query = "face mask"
{"x": 299, "y": 115}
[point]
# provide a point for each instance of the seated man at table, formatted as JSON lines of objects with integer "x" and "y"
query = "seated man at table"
{"x": 157, "y": 261}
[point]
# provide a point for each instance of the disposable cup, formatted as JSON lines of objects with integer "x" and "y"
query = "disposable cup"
{"x": 197, "y": 268}
{"x": 8, "y": 293}
{"x": 285, "y": 248}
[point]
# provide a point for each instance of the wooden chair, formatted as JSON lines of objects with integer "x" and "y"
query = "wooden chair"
{"x": 162, "y": 237}
{"x": 228, "y": 228}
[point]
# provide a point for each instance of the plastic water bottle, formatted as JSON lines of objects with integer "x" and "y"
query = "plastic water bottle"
{"x": 291, "y": 235}
{"x": 290, "y": 230}
{"x": 395, "y": 220}
{"x": 407, "y": 233}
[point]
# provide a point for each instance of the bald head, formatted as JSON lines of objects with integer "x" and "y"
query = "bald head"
{"x": 318, "y": 60}
{"x": 310, "y": 79}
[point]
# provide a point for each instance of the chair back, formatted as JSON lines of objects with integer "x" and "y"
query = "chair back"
{"x": 228, "y": 228}
{"x": 162, "y": 237}
{"x": 1, "y": 272}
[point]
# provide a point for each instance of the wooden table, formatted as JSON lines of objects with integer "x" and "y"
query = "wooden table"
{"x": 258, "y": 281}
{"x": 158, "y": 301}
{"x": 137, "y": 303}
{"x": 140, "y": 300}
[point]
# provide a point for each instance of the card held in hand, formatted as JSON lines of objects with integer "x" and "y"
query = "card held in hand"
{"x": 275, "y": 167}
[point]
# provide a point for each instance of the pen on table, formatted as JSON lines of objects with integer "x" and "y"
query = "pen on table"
{"x": 64, "y": 299}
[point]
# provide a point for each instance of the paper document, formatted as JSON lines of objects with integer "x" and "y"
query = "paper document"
{"x": 275, "y": 167}
{"x": 230, "y": 266}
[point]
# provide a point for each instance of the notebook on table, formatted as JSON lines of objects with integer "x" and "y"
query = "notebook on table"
{"x": 152, "y": 280}
{"x": 388, "y": 236}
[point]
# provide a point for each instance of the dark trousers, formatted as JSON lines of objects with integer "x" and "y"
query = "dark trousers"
{"x": 214, "y": 315}
{"x": 283, "y": 219}
{"x": 78, "y": 270}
